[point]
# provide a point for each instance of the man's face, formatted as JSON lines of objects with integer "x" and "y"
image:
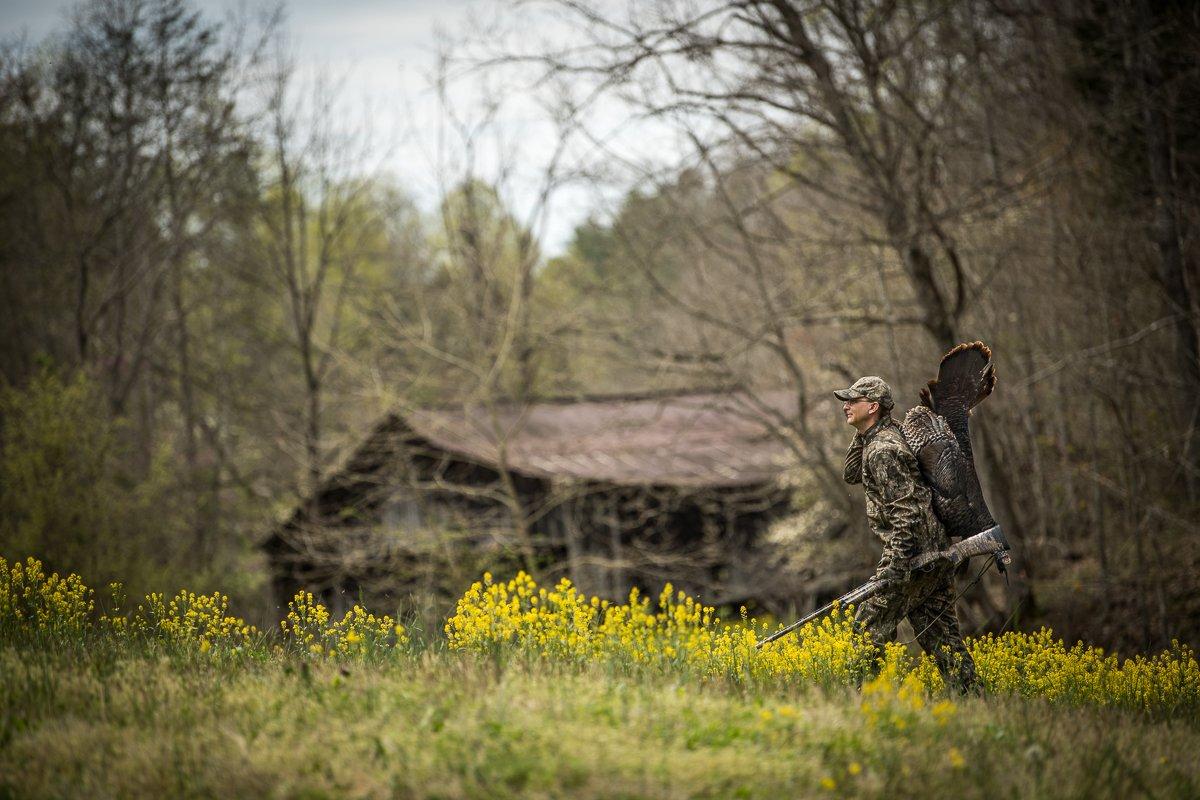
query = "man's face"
{"x": 860, "y": 412}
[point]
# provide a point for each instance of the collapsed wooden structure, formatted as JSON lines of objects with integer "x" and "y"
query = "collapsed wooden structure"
{"x": 611, "y": 491}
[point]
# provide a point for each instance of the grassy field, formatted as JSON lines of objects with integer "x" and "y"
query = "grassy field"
{"x": 117, "y": 723}
{"x": 543, "y": 692}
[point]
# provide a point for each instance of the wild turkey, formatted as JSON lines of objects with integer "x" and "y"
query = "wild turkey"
{"x": 939, "y": 435}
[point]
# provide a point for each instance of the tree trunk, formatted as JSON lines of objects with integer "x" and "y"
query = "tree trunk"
{"x": 312, "y": 428}
{"x": 187, "y": 404}
{"x": 940, "y": 324}
{"x": 1166, "y": 227}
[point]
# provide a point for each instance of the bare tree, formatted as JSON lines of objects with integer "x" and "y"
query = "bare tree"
{"x": 316, "y": 227}
{"x": 464, "y": 324}
{"x": 881, "y": 116}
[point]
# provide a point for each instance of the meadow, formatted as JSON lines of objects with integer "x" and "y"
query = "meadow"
{"x": 543, "y": 692}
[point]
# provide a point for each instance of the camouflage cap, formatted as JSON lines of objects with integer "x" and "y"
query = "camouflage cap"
{"x": 871, "y": 387}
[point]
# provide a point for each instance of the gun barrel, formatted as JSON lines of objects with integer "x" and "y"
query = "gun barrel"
{"x": 853, "y": 596}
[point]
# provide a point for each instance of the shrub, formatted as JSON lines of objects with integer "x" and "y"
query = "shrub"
{"x": 32, "y": 603}
{"x": 308, "y": 629}
{"x": 193, "y": 620}
{"x": 517, "y": 616}
{"x": 69, "y": 492}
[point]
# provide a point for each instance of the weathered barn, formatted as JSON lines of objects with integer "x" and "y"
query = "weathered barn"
{"x": 612, "y": 491}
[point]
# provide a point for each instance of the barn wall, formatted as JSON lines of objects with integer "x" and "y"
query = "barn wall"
{"x": 605, "y": 538}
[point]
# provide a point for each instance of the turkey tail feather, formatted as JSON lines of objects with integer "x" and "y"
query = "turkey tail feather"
{"x": 965, "y": 377}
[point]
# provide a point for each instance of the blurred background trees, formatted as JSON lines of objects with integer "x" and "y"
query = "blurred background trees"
{"x": 209, "y": 287}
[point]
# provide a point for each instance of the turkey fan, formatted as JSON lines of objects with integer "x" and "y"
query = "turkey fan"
{"x": 939, "y": 436}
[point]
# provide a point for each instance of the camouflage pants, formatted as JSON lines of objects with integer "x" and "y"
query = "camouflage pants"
{"x": 927, "y": 599}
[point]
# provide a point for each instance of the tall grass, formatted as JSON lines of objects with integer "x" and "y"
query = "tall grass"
{"x": 633, "y": 700}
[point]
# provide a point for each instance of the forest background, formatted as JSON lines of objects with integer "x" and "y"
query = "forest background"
{"x": 209, "y": 291}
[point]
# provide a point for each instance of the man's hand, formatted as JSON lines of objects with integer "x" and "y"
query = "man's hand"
{"x": 892, "y": 575}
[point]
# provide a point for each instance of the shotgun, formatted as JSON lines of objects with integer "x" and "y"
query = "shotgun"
{"x": 990, "y": 542}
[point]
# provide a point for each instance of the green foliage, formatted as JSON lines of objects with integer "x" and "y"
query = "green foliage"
{"x": 70, "y": 488}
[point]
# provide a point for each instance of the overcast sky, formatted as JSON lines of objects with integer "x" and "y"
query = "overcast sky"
{"x": 386, "y": 50}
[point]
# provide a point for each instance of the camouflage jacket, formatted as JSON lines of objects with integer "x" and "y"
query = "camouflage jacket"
{"x": 899, "y": 502}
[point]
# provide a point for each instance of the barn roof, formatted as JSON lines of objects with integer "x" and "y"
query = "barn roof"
{"x": 686, "y": 440}
{"x": 690, "y": 439}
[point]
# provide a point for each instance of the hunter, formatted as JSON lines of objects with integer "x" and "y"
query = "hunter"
{"x": 900, "y": 513}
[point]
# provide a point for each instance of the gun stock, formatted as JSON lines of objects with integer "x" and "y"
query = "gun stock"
{"x": 989, "y": 542}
